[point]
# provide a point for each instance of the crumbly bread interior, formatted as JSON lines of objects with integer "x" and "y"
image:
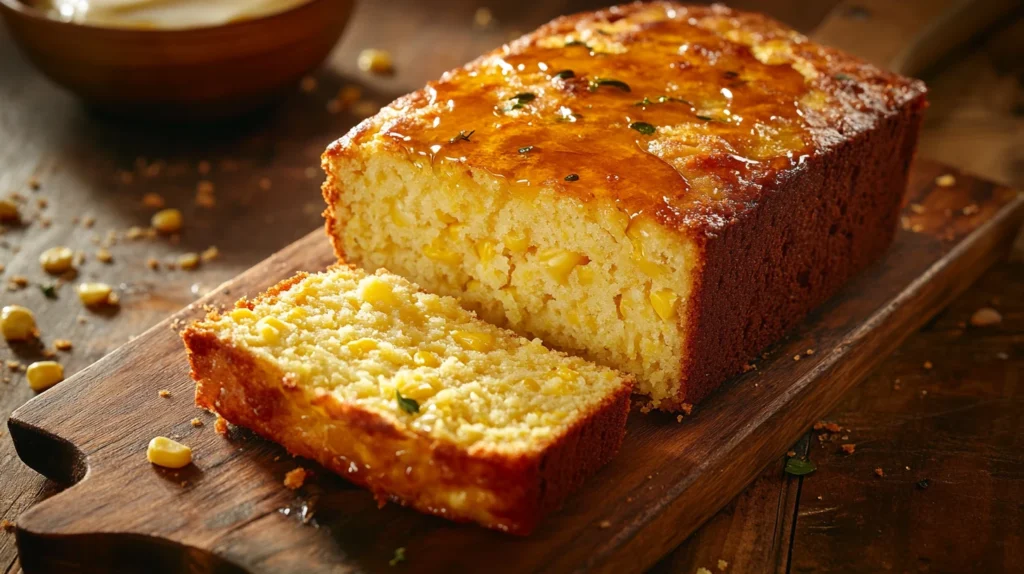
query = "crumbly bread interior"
{"x": 364, "y": 337}
{"x": 584, "y": 277}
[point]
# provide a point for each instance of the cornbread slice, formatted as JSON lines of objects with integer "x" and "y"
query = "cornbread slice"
{"x": 410, "y": 395}
{"x": 664, "y": 189}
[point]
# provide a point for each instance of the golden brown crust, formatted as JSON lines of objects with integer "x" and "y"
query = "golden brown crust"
{"x": 505, "y": 492}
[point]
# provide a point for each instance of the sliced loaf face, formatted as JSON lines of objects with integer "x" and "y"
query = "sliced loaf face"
{"x": 660, "y": 188}
{"x": 411, "y": 395}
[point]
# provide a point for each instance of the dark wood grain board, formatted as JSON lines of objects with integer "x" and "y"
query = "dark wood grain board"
{"x": 229, "y": 511}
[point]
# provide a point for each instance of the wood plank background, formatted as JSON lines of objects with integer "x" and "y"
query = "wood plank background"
{"x": 963, "y": 435}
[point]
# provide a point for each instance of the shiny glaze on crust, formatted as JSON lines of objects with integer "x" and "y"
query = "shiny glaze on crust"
{"x": 738, "y": 104}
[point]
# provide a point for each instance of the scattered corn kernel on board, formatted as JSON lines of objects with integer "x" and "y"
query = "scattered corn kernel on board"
{"x": 230, "y": 512}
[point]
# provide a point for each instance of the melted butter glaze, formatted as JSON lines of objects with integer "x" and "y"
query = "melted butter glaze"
{"x": 738, "y": 103}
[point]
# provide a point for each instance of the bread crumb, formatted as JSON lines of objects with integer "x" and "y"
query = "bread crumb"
{"x": 722, "y": 564}
{"x": 687, "y": 408}
{"x": 791, "y": 453}
{"x": 153, "y": 263}
{"x": 809, "y": 352}
{"x": 7, "y": 525}
{"x": 830, "y": 427}
{"x": 917, "y": 208}
{"x": 986, "y": 317}
{"x": 295, "y": 478}
{"x": 104, "y": 256}
{"x": 188, "y": 261}
{"x": 210, "y": 253}
{"x": 308, "y": 84}
{"x": 197, "y": 422}
{"x": 153, "y": 200}
{"x": 679, "y": 418}
{"x": 33, "y": 182}
{"x": 14, "y": 365}
{"x": 749, "y": 367}
{"x": 605, "y": 524}
{"x": 164, "y": 393}
{"x": 221, "y": 426}
{"x": 945, "y": 180}
{"x": 849, "y": 448}
{"x": 62, "y": 344}
{"x": 970, "y": 209}
{"x": 796, "y": 357}
{"x": 879, "y": 472}
{"x": 927, "y": 365}
{"x": 703, "y": 570}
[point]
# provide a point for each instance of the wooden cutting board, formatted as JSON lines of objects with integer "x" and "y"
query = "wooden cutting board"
{"x": 229, "y": 512}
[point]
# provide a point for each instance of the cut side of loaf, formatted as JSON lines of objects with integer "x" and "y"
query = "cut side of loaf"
{"x": 663, "y": 189}
{"x": 410, "y": 395}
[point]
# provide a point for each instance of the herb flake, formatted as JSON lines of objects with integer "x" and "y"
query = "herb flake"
{"x": 49, "y": 291}
{"x": 398, "y": 557}
{"x": 598, "y": 82}
{"x": 526, "y": 149}
{"x": 521, "y": 100}
{"x": 643, "y": 127}
{"x": 842, "y": 77}
{"x": 406, "y": 404}
{"x": 705, "y": 118}
{"x": 565, "y": 75}
{"x": 576, "y": 43}
{"x": 463, "y": 136}
{"x": 924, "y": 483}
{"x": 572, "y": 177}
{"x": 798, "y": 467}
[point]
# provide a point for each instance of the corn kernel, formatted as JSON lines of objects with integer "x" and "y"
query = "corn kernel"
{"x": 42, "y": 375}
{"x": 188, "y": 261}
{"x": 242, "y": 314}
{"x": 664, "y": 303}
{"x": 167, "y": 221}
{"x": 92, "y": 294}
{"x": 167, "y": 453}
{"x": 426, "y": 359}
{"x": 485, "y": 251}
{"x": 378, "y": 292}
{"x": 17, "y": 323}
{"x": 360, "y": 347}
{"x": 376, "y": 61}
{"x": 560, "y": 262}
{"x": 56, "y": 259}
{"x": 585, "y": 275}
{"x": 517, "y": 241}
{"x": 442, "y": 255}
{"x": 9, "y": 210}
{"x": 474, "y": 341}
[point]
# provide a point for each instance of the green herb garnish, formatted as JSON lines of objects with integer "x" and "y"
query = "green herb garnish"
{"x": 49, "y": 291}
{"x": 598, "y": 82}
{"x": 565, "y": 74}
{"x": 577, "y": 43}
{"x": 406, "y": 404}
{"x": 729, "y": 74}
{"x": 924, "y": 483}
{"x": 663, "y": 99}
{"x": 399, "y": 556}
{"x": 521, "y": 100}
{"x": 463, "y": 136}
{"x": 643, "y": 127}
{"x": 705, "y": 118}
{"x": 572, "y": 177}
{"x": 798, "y": 467}
{"x": 526, "y": 149}
{"x": 842, "y": 77}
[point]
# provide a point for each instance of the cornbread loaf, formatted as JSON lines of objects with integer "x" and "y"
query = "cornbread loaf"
{"x": 663, "y": 189}
{"x": 410, "y": 395}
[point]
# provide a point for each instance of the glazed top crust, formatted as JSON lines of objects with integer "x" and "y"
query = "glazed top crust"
{"x": 687, "y": 114}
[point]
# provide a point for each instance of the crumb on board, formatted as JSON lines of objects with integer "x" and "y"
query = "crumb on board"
{"x": 796, "y": 357}
{"x": 104, "y": 256}
{"x": 848, "y": 448}
{"x": 196, "y": 422}
{"x": 945, "y": 180}
{"x": 164, "y": 393}
{"x": 687, "y": 408}
{"x": 295, "y": 478}
{"x": 928, "y": 365}
{"x": 827, "y": 426}
{"x": 722, "y": 565}
{"x": 605, "y": 524}
{"x": 986, "y": 317}
{"x": 153, "y": 263}
{"x": 7, "y": 525}
{"x": 679, "y": 418}
{"x": 749, "y": 367}
{"x": 210, "y": 253}
{"x": 809, "y": 352}
{"x": 221, "y": 426}
{"x": 62, "y": 344}
{"x": 879, "y": 472}
{"x": 791, "y": 453}
{"x": 153, "y": 200}
{"x": 703, "y": 570}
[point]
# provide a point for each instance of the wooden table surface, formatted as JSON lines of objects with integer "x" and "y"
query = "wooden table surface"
{"x": 947, "y": 438}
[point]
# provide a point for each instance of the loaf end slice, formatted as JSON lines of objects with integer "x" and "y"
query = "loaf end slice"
{"x": 410, "y": 395}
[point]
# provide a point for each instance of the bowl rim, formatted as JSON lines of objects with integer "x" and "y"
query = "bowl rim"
{"x": 26, "y": 10}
